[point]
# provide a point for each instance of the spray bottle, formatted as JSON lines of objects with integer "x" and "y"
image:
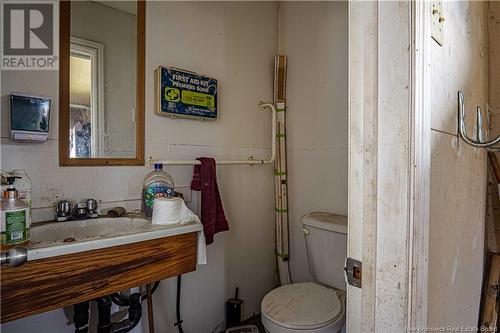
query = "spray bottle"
{"x": 15, "y": 218}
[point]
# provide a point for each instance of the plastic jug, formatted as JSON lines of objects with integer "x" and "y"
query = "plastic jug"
{"x": 157, "y": 183}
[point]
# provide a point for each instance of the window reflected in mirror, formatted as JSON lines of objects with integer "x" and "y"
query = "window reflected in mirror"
{"x": 86, "y": 123}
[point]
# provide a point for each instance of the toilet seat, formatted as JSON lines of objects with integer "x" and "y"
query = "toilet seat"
{"x": 302, "y": 306}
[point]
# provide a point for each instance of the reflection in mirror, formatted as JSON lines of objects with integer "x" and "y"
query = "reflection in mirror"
{"x": 86, "y": 121}
{"x": 103, "y": 48}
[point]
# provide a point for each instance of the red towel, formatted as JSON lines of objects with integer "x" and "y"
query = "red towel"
{"x": 212, "y": 212}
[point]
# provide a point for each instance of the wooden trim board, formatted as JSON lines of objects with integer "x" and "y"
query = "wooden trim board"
{"x": 420, "y": 164}
{"x": 494, "y": 165}
{"x": 493, "y": 204}
{"x": 490, "y": 310}
{"x": 51, "y": 283}
{"x": 492, "y": 214}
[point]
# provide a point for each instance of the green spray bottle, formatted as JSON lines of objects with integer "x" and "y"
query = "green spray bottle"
{"x": 15, "y": 217}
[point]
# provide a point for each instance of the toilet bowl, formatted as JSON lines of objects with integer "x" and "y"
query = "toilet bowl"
{"x": 303, "y": 308}
{"x": 318, "y": 306}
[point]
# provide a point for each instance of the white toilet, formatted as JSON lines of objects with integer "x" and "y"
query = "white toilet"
{"x": 319, "y": 306}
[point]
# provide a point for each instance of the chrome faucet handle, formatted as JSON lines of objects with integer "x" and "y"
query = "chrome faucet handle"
{"x": 91, "y": 205}
{"x": 92, "y": 208}
{"x": 63, "y": 210}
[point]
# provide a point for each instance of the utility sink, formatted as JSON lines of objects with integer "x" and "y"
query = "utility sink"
{"x": 50, "y": 239}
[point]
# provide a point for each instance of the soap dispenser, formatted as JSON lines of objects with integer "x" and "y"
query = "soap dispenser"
{"x": 15, "y": 218}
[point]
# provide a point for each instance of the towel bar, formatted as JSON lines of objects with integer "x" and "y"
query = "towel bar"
{"x": 262, "y": 106}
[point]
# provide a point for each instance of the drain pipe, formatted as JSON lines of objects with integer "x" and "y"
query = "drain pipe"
{"x": 134, "y": 316}
{"x": 81, "y": 317}
{"x": 103, "y": 314}
{"x": 123, "y": 300}
{"x": 104, "y": 323}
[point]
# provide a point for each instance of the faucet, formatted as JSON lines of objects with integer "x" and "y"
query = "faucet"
{"x": 82, "y": 210}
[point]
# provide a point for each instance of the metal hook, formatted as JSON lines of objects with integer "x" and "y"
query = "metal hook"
{"x": 462, "y": 130}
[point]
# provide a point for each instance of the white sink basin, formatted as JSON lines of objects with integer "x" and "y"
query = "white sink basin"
{"x": 86, "y": 229}
{"x": 58, "y": 238}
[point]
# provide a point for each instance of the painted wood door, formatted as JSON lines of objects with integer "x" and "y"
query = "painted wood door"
{"x": 382, "y": 160}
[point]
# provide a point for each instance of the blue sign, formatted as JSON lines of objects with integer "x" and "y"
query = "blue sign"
{"x": 185, "y": 94}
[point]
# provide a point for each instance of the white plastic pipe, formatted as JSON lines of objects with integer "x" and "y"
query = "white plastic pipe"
{"x": 262, "y": 105}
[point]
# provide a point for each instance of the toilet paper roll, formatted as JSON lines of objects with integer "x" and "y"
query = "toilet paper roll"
{"x": 167, "y": 210}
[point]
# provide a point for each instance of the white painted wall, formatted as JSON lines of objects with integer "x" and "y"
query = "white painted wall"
{"x": 235, "y": 42}
{"x": 458, "y": 171}
{"x": 314, "y": 37}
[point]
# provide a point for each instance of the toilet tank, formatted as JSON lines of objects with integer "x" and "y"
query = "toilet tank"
{"x": 326, "y": 246}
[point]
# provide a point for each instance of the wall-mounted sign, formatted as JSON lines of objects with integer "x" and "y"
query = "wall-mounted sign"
{"x": 181, "y": 93}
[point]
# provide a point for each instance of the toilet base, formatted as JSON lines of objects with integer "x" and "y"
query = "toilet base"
{"x": 343, "y": 330}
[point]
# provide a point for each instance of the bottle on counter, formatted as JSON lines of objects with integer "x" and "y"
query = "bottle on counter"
{"x": 23, "y": 185}
{"x": 5, "y": 184}
{"x": 15, "y": 217}
{"x": 157, "y": 183}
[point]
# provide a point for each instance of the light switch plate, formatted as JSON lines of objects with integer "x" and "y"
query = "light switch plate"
{"x": 437, "y": 15}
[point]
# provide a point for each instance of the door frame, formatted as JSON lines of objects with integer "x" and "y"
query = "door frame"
{"x": 95, "y": 51}
{"x": 389, "y": 164}
{"x": 421, "y": 154}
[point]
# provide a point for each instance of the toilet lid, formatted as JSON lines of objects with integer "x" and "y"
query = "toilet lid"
{"x": 302, "y": 306}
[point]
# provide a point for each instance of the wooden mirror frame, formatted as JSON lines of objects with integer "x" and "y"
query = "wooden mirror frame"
{"x": 64, "y": 55}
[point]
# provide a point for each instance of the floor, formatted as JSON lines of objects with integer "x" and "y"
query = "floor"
{"x": 254, "y": 320}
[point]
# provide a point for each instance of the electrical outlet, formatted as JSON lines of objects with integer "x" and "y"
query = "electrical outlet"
{"x": 437, "y": 19}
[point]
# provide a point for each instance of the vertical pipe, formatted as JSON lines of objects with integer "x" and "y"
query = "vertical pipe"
{"x": 151, "y": 321}
{"x": 178, "y": 305}
{"x": 282, "y": 225}
{"x": 104, "y": 314}
{"x": 81, "y": 317}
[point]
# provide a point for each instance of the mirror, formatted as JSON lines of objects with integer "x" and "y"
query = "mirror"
{"x": 101, "y": 102}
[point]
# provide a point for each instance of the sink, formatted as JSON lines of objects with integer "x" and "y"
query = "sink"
{"x": 50, "y": 239}
{"x": 99, "y": 257}
{"x": 86, "y": 229}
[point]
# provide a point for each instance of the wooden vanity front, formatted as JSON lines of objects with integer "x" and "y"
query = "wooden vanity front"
{"x": 51, "y": 283}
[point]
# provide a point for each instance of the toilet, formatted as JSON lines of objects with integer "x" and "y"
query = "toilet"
{"x": 317, "y": 306}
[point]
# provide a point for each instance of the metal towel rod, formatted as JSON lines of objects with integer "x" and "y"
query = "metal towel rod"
{"x": 262, "y": 106}
{"x": 479, "y": 142}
